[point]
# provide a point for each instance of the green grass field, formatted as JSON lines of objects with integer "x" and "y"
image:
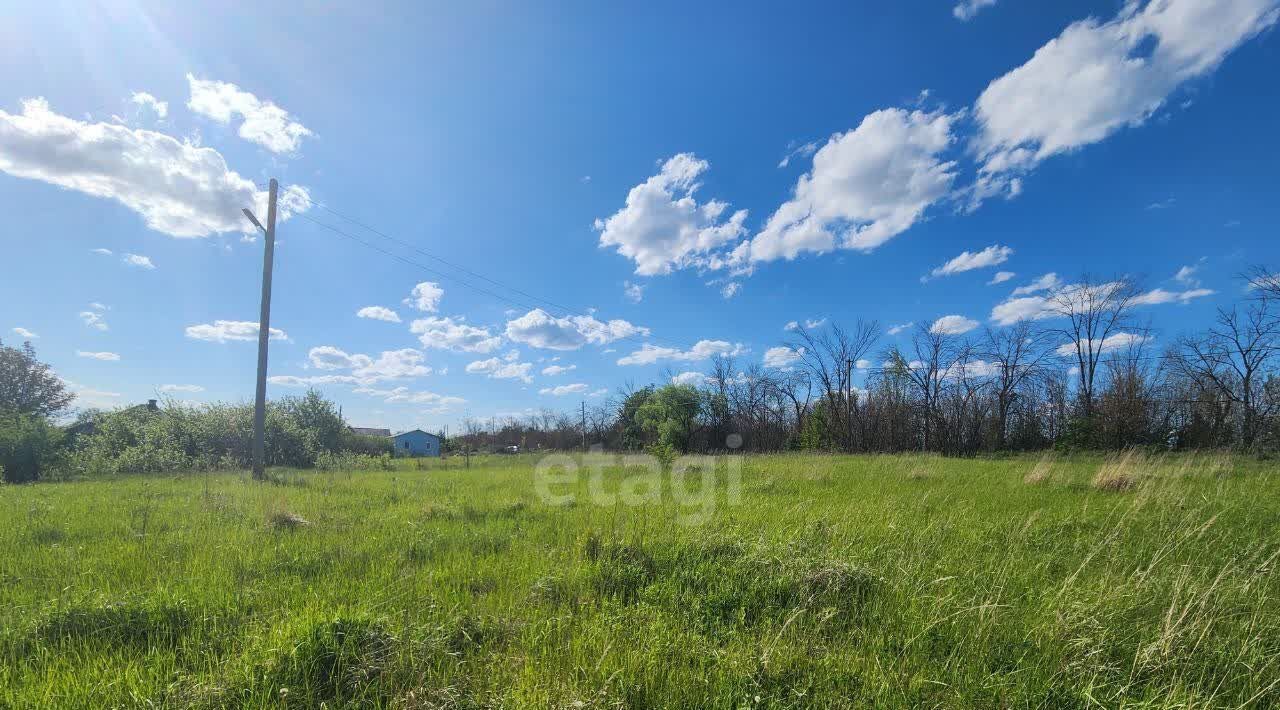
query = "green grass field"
{"x": 832, "y": 582}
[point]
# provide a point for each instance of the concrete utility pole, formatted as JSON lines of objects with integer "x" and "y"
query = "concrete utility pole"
{"x": 264, "y": 333}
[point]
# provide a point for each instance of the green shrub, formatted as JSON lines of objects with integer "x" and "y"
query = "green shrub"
{"x": 29, "y": 447}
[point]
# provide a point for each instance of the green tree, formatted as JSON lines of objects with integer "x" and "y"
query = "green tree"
{"x": 671, "y": 414}
{"x": 28, "y": 387}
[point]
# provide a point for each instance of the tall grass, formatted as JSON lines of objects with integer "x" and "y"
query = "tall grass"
{"x": 884, "y": 581}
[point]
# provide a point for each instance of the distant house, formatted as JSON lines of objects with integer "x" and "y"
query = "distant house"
{"x": 417, "y": 443}
{"x": 370, "y": 431}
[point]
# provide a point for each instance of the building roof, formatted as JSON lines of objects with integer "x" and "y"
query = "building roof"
{"x": 419, "y": 431}
{"x": 369, "y": 431}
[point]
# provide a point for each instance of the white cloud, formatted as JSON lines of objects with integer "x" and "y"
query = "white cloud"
{"x": 1162, "y": 204}
{"x": 993, "y": 255}
{"x": 862, "y": 364}
{"x": 1001, "y": 277}
{"x": 809, "y": 324}
{"x": 553, "y": 370}
{"x": 390, "y": 364}
{"x": 179, "y": 189}
{"x": 663, "y": 227}
{"x": 91, "y": 397}
{"x": 895, "y": 329}
{"x": 953, "y": 325}
{"x": 540, "y": 329}
{"x": 1159, "y": 295}
{"x": 25, "y": 334}
{"x": 1187, "y": 275}
{"x": 966, "y": 10}
{"x": 1108, "y": 344}
{"x": 435, "y": 403}
{"x": 690, "y": 378}
{"x": 633, "y": 292}
{"x": 181, "y": 388}
{"x": 297, "y": 381}
{"x": 142, "y": 98}
{"x": 1024, "y": 308}
{"x": 702, "y": 350}
{"x": 1096, "y": 78}
{"x": 378, "y": 313}
{"x": 100, "y": 250}
{"x": 504, "y": 369}
{"x": 104, "y": 356}
{"x": 94, "y": 320}
{"x": 425, "y": 297}
{"x": 448, "y": 334}
{"x": 222, "y": 331}
{"x": 562, "y": 390}
{"x": 803, "y": 150}
{"x": 264, "y": 123}
{"x": 1047, "y": 282}
{"x": 730, "y": 289}
{"x": 781, "y": 357}
{"x": 866, "y": 186}
{"x": 138, "y": 260}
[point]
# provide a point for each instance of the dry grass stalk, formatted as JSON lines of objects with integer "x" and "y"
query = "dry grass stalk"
{"x": 1041, "y": 471}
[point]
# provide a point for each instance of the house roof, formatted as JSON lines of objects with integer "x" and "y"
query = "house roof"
{"x": 419, "y": 431}
{"x": 369, "y": 431}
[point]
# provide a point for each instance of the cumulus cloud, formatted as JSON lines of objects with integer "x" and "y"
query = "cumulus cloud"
{"x": 502, "y": 369}
{"x": 138, "y": 260}
{"x": 953, "y": 325}
{"x": 378, "y": 313}
{"x": 540, "y": 329}
{"x": 993, "y": 255}
{"x": 1108, "y": 344}
{"x": 93, "y": 318}
{"x": 782, "y": 357}
{"x": 145, "y": 100}
{"x": 1001, "y": 277}
{"x": 809, "y": 324}
{"x": 633, "y": 292}
{"x": 104, "y": 356}
{"x": 865, "y": 187}
{"x": 1047, "y": 282}
{"x": 895, "y": 329}
{"x": 562, "y": 390}
{"x": 730, "y": 290}
{"x": 263, "y": 122}
{"x": 181, "y": 388}
{"x": 690, "y": 378}
{"x": 425, "y": 297}
{"x": 1187, "y": 275}
{"x": 702, "y": 350}
{"x": 553, "y": 370}
{"x": 25, "y": 334}
{"x": 1023, "y": 308}
{"x": 1159, "y": 295}
{"x": 434, "y": 403}
{"x": 446, "y": 333}
{"x": 966, "y": 10}
{"x": 1096, "y": 78}
{"x": 179, "y": 189}
{"x": 223, "y": 331}
{"x": 662, "y": 226}
{"x": 390, "y": 364}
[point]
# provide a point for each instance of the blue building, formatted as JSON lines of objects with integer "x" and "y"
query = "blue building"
{"x": 417, "y": 443}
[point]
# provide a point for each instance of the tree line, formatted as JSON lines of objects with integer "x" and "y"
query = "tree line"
{"x": 1078, "y": 370}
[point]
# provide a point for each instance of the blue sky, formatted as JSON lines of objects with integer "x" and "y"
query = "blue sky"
{"x": 625, "y": 165}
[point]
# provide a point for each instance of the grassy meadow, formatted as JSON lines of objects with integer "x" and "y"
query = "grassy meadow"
{"x": 867, "y": 581}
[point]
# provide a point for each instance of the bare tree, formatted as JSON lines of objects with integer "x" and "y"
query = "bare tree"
{"x": 1094, "y": 312}
{"x": 829, "y": 356}
{"x": 1234, "y": 357}
{"x": 1017, "y": 356}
